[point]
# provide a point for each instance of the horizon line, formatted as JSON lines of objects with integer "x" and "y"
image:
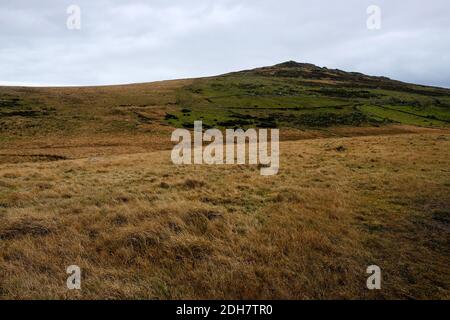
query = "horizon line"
{"x": 19, "y": 84}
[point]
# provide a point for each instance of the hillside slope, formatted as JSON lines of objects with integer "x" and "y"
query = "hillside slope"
{"x": 296, "y": 95}
{"x": 306, "y": 101}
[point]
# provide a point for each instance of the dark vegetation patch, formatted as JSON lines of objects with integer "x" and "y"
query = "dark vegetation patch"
{"x": 245, "y": 120}
{"x": 142, "y": 117}
{"x": 355, "y": 118}
{"x": 341, "y": 149}
{"x": 193, "y": 184}
{"x": 344, "y": 93}
{"x": 234, "y": 123}
{"x": 164, "y": 185}
{"x": 25, "y": 227}
{"x": 9, "y": 102}
{"x": 29, "y": 113}
{"x": 169, "y": 116}
{"x": 442, "y": 216}
{"x": 14, "y": 106}
{"x": 20, "y": 158}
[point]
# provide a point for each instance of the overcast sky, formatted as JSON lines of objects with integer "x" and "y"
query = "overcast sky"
{"x": 124, "y": 41}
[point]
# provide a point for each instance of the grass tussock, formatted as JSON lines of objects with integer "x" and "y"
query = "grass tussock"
{"x": 25, "y": 227}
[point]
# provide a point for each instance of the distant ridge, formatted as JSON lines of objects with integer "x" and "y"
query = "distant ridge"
{"x": 309, "y": 71}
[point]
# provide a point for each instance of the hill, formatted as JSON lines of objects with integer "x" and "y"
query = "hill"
{"x": 88, "y": 121}
{"x": 297, "y": 95}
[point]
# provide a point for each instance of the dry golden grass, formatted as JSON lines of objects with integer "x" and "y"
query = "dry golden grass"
{"x": 54, "y": 147}
{"x": 88, "y": 121}
{"x": 140, "y": 227}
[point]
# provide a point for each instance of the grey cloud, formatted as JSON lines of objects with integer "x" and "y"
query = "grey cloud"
{"x": 135, "y": 41}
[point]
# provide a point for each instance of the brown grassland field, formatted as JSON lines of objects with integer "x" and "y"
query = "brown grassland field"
{"x": 86, "y": 179}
